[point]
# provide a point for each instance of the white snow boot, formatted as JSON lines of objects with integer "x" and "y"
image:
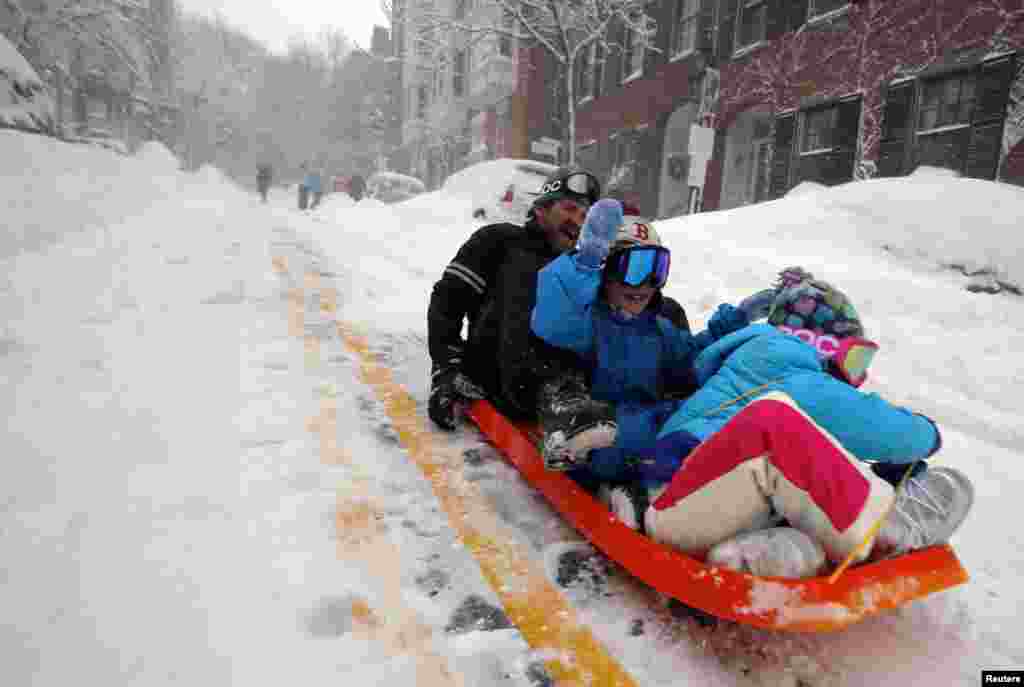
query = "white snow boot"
{"x": 629, "y": 503}
{"x": 773, "y": 552}
{"x": 928, "y": 510}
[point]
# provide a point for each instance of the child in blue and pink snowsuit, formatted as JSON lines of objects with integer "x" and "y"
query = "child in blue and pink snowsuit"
{"x": 782, "y": 430}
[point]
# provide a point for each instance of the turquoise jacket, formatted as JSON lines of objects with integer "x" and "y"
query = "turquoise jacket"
{"x": 758, "y": 359}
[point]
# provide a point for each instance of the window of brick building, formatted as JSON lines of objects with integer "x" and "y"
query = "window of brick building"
{"x": 819, "y": 130}
{"x": 944, "y": 121}
{"x": 818, "y": 145}
{"x": 684, "y": 32}
{"x": 752, "y": 25}
{"x": 948, "y": 102}
{"x": 954, "y": 121}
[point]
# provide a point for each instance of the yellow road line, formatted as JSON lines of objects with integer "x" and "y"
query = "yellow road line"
{"x": 534, "y": 605}
{"x": 361, "y": 537}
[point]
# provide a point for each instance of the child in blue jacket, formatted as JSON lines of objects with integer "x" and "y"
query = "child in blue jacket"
{"x": 603, "y": 302}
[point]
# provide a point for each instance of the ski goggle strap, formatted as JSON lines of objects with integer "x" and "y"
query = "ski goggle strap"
{"x": 852, "y": 359}
{"x": 640, "y": 265}
{"x": 579, "y": 183}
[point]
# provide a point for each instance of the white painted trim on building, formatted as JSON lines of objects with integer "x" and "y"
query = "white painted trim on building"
{"x": 633, "y": 77}
{"x": 746, "y": 49}
{"x": 942, "y": 129}
{"x": 828, "y": 16}
{"x": 816, "y": 151}
{"x": 682, "y": 55}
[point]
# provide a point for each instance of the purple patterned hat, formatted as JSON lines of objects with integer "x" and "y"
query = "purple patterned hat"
{"x": 807, "y": 304}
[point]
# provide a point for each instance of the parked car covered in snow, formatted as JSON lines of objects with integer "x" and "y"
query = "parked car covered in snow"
{"x": 392, "y": 187}
{"x": 501, "y": 189}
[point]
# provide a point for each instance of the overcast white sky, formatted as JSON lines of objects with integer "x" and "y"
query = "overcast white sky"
{"x": 276, "y": 21}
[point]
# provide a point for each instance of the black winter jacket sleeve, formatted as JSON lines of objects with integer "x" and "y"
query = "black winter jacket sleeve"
{"x": 522, "y": 357}
{"x": 465, "y": 285}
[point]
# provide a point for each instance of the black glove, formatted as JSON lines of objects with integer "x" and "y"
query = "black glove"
{"x": 893, "y": 472}
{"x": 449, "y": 389}
{"x": 726, "y": 320}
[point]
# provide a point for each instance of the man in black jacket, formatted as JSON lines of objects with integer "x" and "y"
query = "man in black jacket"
{"x": 492, "y": 284}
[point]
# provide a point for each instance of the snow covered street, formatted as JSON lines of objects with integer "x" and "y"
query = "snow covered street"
{"x": 208, "y": 481}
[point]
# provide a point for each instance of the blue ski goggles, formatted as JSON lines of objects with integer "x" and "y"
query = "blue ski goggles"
{"x": 640, "y": 266}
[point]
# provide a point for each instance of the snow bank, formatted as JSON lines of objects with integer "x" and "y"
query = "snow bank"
{"x": 930, "y": 220}
{"x": 928, "y": 171}
{"x": 484, "y": 177}
{"x": 51, "y": 184}
{"x": 942, "y": 219}
{"x": 158, "y": 157}
{"x": 805, "y": 187}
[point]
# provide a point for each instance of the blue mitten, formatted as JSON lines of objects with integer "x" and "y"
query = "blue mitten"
{"x": 758, "y": 305}
{"x": 669, "y": 454}
{"x": 726, "y": 320}
{"x": 603, "y": 221}
{"x": 609, "y": 464}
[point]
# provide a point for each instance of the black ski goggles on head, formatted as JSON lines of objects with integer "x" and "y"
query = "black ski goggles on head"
{"x": 578, "y": 183}
{"x": 640, "y": 266}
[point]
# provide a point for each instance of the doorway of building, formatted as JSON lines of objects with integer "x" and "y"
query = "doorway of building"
{"x": 673, "y": 189}
{"x": 761, "y": 170}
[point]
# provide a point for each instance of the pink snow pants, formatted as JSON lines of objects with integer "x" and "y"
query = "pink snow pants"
{"x": 771, "y": 458}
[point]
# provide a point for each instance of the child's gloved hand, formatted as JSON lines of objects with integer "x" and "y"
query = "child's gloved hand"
{"x": 758, "y": 305}
{"x": 602, "y": 224}
{"x": 726, "y": 320}
{"x": 893, "y": 472}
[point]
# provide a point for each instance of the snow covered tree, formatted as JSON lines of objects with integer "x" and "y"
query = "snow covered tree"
{"x": 115, "y": 36}
{"x": 565, "y": 31}
{"x": 123, "y": 44}
{"x": 24, "y": 102}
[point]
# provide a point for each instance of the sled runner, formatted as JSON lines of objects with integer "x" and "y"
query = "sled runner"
{"x": 804, "y": 605}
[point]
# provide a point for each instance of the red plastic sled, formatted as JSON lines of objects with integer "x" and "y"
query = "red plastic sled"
{"x": 807, "y": 605}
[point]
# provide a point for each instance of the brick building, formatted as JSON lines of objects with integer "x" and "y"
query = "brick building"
{"x": 737, "y": 101}
{"x": 803, "y": 90}
{"x": 829, "y": 91}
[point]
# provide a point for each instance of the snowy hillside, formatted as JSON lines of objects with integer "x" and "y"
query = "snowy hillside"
{"x": 205, "y": 481}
